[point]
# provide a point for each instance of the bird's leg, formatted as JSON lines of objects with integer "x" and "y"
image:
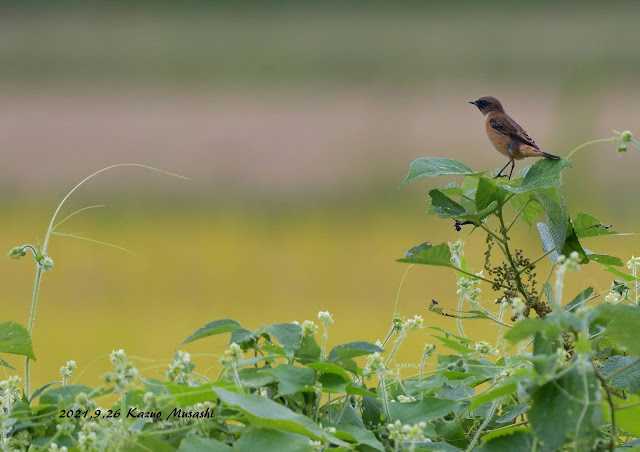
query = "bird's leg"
{"x": 503, "y": 168}
{"x": 513, "y": 165}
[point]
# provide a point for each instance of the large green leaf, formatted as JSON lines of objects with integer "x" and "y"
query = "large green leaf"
{"x": 567, "y": 405}
{"x": 623, "y": 326}
{"x": 213, "y": 328}
{"x": 263, "y": 412}
{"x": 545, "y": 173}
{"x": 517, "y": 440}
{"x": 488, "y": 191}
{"x": 434, "y": 166}
{"x": 532, "y": 208}
{"x": 358, "y": 435}
{"x": 427, "y": 254}
{"x": 265, "y": 439}
{"x": 195, "y": 443}
{"x": 579, "y": 299}
{"x": 589, "y": 226}
{"x": 524, "y": 329}
{"x": 288, "y": 334}
{"x": 292, "y": 379}
{"x": 353, "y": 350}
{"x": 425, "y": 410}
{"x": 628, "y": 380}
{"x": 556, "y": 214}
{"x": 15, "y": 339}
{"x": 444, "y": 206}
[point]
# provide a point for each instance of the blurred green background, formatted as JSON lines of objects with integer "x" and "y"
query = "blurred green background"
{"x": 295, "y": 121}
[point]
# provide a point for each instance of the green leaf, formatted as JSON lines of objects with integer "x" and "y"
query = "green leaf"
{"x": 524, "y": 329}
{"x": 579, "y": 299}
{"x": 358, "y": 435}
{"x": 545, "y": 173}
{"x": 620, "y": 274}
{"x": 3, "y": 363}
{"x": 292, "y": 379}
{"x": 63, "y": 395}
{"x": 604, "y": 259}
{"x": 424, "y": 410}
{"x": 213, "y": 328}
{"x": 589, "y": 226}
{"x": 566, "y": 405}
{"x": 240, "y": 335}
{"x": 547, "y": 242}
{"x": 309, "y": 350}
{"x": 41, "y": 389}
{"x": 434, "y": 166}
{"x": 623, "y": 326}
{"x": 195, "y": 443}
{"x": 444, "y": 206}
{"x": 330, "y": 368}
{"x": 262, "y": 412}
{"x": 428, "y": 255}
{"x": 488, "y": 192}
{"x": 629, "y": 380}
{"x": 264, "y": 439}
{"x": 510, "y": 414}
{"x": 507, "y": 387}
{"x": 353, "y": 350}
{"x": 15, "y": 339}
{"x": 556, "y": 214}
{"x": 147, "y": 443}
{"x": 253, "y": 377}
{"x": 453, "y": 344}
{"x": 288, "y": 334}
{"x": 517, "y": 440}
{"x": 185, "y": 395}
{"x": 531, "y": 211}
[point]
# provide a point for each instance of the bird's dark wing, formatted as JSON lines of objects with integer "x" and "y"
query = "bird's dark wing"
{"x": 507, "y": 126}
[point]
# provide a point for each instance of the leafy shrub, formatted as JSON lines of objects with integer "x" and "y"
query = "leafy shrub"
{"x": 562, "y": 376}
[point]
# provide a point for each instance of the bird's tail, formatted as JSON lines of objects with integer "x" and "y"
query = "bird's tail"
{"x": 551, "y": 156}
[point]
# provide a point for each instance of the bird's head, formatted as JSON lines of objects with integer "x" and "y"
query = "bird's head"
{"x": 487, "y": 104}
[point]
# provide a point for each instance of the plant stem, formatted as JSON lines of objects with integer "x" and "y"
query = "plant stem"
{"x": 459, "y": 316}
{"x": 489, "y": 415}
{"x": 601, "y": 140}
{"x": 512, "y": 222}
{"x": 32, "y": 317}
{"x": 603, "y": 382}
{"x": 464, "y": 272}
{"x": 510, "y": 258}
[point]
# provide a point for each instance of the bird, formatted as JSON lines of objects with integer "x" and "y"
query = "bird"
{"x": 506, "y": 135}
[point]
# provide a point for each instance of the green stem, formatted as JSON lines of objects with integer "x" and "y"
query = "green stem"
{"x": 512, "y": 222}
{"x": 459, "y": 317}
{"x": 603, "y": 382}
{"x": 510, "y": 258}
{"x": 601, "y": 140}
{"x": 32, "y": 317}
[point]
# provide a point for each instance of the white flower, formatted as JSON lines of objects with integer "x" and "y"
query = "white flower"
{"x": 406, "y": 399}
{"x": 518, "y": 306}
{"x": 469, "y": 288}
{"x": 68, "y": 369}
{"x": 309, "y": 328}
{"x": 325, "y": 318}
{"x": 375, "y": 364}
{"x": 633, "y": 263}
{"x": 46, "y": 263}
{"x": 429, "y": 349}
{"x": 414, "y": 323}
{"x": 612, "y": 298}
{"x": 482, "y": 348}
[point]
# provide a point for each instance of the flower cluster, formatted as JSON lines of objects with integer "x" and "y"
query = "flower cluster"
{"x": 232, "y": 356}
{"x": 456, "y": 249}
{"x": 482, "y": 348}
{"x": 413, "y": 324}
{"x": 309, "y": 328}
{"x": 67, "y": 370}
{"x": 469, "y": 288}
{"x": 180, "y": 369}
{"x": 325, "y": 318}
{"x": 125, "y": 373}
{"x": 399, "y": 432}
{"x": 9, "y": 393}
{"x": 375, "y": 365}
{"x": 634, "y": 263}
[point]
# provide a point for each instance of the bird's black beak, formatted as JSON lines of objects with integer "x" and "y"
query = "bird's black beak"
{"x": 474, "y": 102}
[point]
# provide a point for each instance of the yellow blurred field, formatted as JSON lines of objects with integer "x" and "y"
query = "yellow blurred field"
{"x": 250, "y": 265}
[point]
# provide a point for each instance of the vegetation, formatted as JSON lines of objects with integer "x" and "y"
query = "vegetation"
{"x": 562, "y": 375}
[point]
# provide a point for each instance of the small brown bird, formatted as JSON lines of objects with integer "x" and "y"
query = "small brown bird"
{"x": 506, "y": 135}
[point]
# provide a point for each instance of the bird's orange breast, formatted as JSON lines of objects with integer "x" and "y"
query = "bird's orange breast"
{"x": 499, "y": 141}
